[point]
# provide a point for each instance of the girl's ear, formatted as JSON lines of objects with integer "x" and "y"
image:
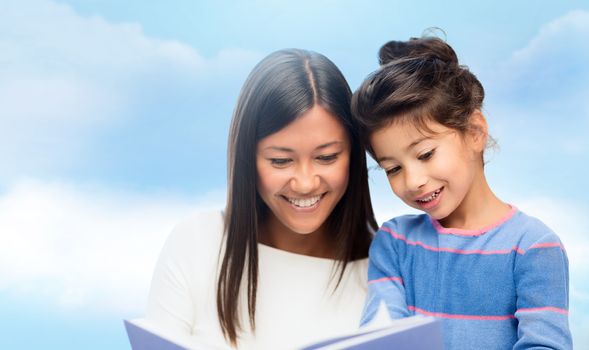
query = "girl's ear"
{"x": 479, "y": 130}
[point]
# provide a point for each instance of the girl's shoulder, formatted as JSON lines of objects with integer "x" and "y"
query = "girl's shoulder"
{"x": 405, "y": 224}
{"x": 530, "y": 230}
{"x": 403, "y": 229}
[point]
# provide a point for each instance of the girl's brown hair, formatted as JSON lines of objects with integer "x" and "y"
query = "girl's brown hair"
{"x": 419, "y": 80}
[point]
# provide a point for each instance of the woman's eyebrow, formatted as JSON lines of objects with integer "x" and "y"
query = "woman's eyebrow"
{"x": 281, "y": 149}
{"x": 325, "y": 145}
{"x": 290, "y": 150}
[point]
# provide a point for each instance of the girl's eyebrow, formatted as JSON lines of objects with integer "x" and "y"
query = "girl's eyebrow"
{"x": 416, "y": 142}
{"x": 411, "y": 145}
{"x": 383, "y": 159}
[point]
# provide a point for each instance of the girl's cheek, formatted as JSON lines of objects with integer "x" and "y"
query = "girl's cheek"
{"x": 395, "y": 185}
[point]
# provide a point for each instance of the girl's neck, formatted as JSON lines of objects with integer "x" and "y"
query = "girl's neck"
{"x": 479, "y": 208}
{"x": 274, "y": 234}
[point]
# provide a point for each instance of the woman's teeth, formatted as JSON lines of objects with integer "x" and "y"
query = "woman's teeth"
{"x": 304, "y": 202}
{"x": 431, "y": 197}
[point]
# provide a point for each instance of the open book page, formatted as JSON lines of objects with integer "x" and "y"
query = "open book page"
{"x": 144, "y": 335}
{"x": 415, "y": 333}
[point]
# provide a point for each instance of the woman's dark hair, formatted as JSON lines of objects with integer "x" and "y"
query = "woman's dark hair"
{"x": 282, "y": 87}
{"x": 419, "y": 80}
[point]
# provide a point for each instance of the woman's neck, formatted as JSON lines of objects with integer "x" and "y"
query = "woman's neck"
{"x": 479, "y": 208}
{"x": 274, "y": 234}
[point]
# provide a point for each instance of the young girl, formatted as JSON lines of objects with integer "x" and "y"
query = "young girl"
{"x": 497, "y": 277}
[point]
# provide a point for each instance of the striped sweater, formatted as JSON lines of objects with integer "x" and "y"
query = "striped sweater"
{"x": 501, "y": 287}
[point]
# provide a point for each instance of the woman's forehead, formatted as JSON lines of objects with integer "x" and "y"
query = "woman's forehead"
{"x": 316, "y": 128}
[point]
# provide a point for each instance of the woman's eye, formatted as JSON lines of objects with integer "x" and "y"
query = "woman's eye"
{"x": 328, "y": 158}
{"x": 280, "y": 162}
{"x": 427, "y": 155}
{"x": 392, "y": 171}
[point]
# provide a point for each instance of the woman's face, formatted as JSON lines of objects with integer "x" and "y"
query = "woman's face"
{"x": 303, "y": 170}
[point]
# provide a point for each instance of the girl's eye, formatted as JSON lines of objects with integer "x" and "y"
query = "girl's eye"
{"x": 327, "y": 159}
{"x": 280, "y": 162}
{"x": 392, "y": 171}
{"x": 427, "y": 155}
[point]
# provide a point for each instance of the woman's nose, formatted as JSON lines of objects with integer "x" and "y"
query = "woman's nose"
{"x": 305, "y": 179}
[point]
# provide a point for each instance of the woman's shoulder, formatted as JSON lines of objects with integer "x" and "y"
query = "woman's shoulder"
{"x": 192, "y": 249}
{"x": 200, "y": 227}
{"x": 196, "y": 237}
{"x": 183, "y": 282}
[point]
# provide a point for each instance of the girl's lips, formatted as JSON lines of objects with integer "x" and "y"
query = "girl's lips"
{"x": 431, "y": 200}
{"x": 429, "y": 196}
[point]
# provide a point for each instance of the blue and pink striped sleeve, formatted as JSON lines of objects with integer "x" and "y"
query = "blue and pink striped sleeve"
{"x": 385, "y": 282}
{"x": 541, "y": 281}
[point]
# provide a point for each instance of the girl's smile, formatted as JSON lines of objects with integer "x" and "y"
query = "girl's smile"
{"x": 430, "y": 200}
{"x": 438, "y": 171}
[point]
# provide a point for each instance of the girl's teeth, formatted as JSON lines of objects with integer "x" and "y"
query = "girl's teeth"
{"x": 430, "y": 198}
{"x": 304, "y": 202}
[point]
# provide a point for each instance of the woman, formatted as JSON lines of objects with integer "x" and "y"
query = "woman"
{"x": 285, "y": 265}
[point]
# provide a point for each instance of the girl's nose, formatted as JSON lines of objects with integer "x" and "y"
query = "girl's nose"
{"x": 415, "y": 179}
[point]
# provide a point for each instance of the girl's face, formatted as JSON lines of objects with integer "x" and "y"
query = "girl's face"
{"x": 434, "y": 172}
{"x": 303, "y": 171}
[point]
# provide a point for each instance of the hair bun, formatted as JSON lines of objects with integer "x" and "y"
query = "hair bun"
{"x": 415, "y": 48}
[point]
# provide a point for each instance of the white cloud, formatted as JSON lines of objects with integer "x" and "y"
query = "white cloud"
{"x": 565, "y": 33}
{"x": 84, "y": 248}
{"x": 553, "y": 62}
{"x": 64, "y": 78}
{"x": 580, "y": 295}
{"x": 543, "y": 88}
{"x": 51, "y": 37}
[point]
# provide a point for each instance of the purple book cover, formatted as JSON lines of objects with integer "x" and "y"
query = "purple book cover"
{"x": 142, "y": 339}
{"x": 405, "y": 334}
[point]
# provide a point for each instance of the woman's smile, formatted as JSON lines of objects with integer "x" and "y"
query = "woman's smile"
{"x": 306, "y": 202}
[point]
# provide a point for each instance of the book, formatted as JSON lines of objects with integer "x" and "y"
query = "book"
{"x": 414, "y": 333}
{"x": 145, "y": 336}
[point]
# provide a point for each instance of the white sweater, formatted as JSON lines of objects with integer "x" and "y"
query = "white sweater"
{"x": 295, "y": 306}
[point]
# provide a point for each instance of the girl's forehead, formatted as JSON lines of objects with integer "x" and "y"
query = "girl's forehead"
{"x": 412, "y": 129}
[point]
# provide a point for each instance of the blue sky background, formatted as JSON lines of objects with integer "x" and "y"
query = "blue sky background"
{"x": 114, "y": 117}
